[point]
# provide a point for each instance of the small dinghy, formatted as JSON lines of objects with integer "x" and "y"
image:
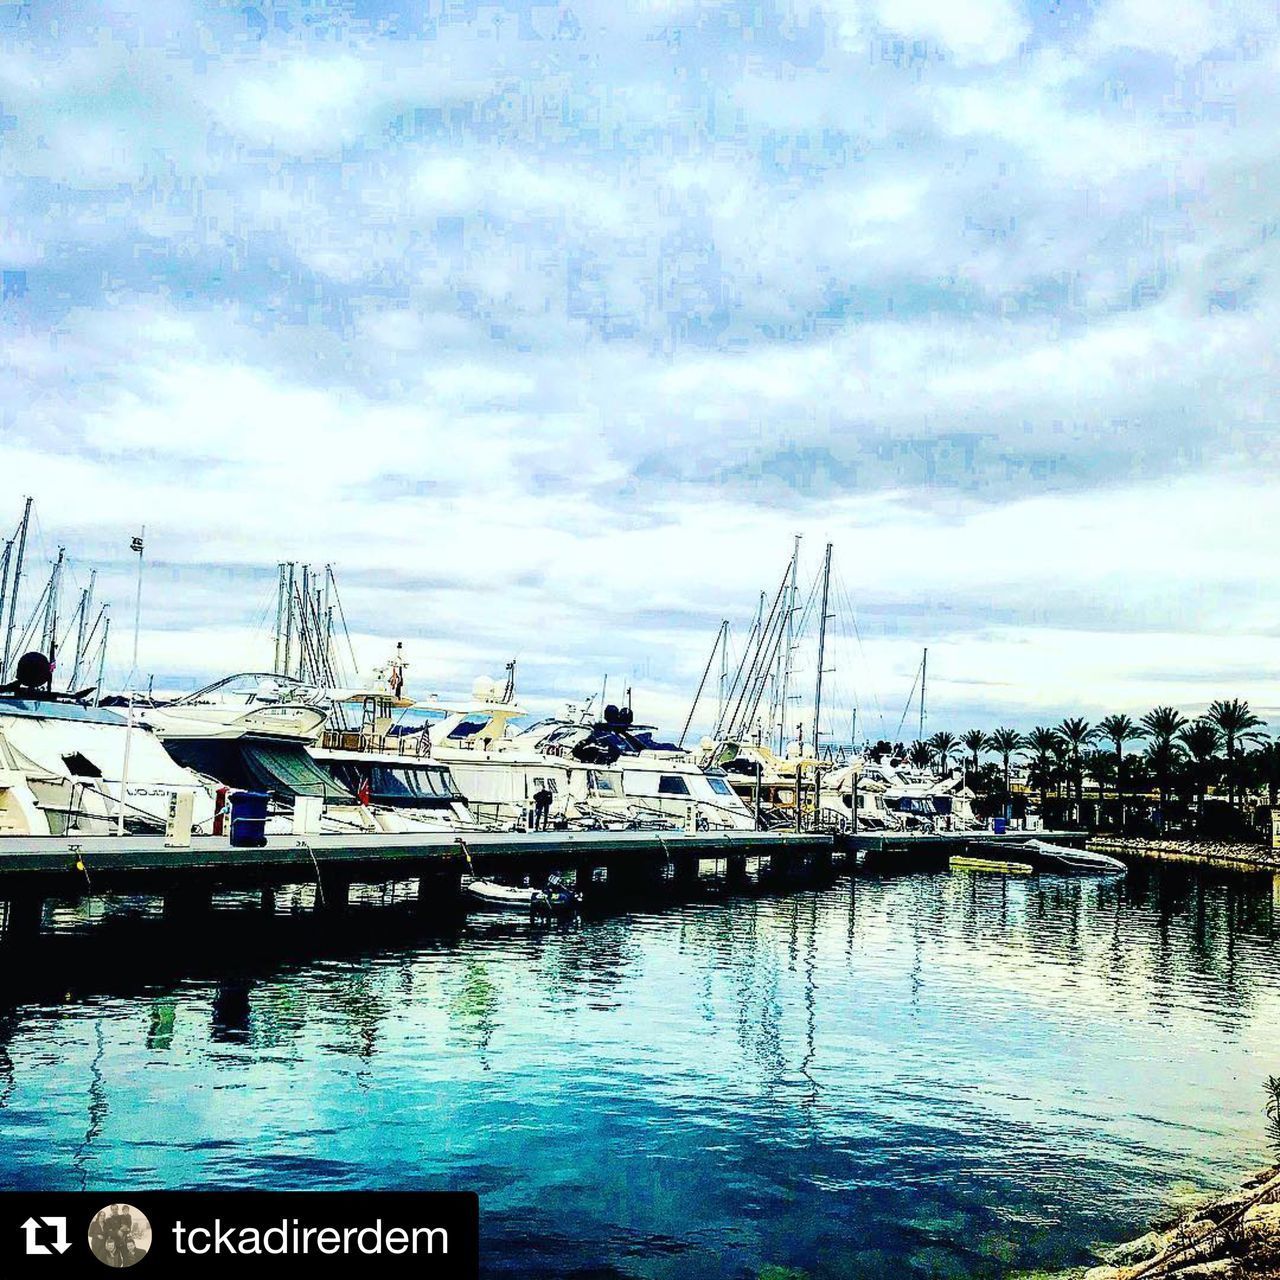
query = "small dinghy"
{"x": 1052, "y": 857}
{"x": 556, "y": 899}
{"x": 508, "y": 896}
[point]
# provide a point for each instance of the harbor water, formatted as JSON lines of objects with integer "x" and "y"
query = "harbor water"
{"x": 926, "y": 1075}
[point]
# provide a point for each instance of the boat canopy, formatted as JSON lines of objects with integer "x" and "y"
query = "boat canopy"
{"x": 288, "y": 772}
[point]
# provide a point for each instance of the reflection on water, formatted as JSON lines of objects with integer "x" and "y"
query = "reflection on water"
{"x": 927, "y": 1075}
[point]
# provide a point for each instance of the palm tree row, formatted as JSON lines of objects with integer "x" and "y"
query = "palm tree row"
{"x": 1196, "y": 752}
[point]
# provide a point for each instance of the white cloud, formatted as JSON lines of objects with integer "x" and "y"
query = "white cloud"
{"x": 979, "y": 33}
{"x": 1186, "y": 31}
{"x": 997, "y": 317}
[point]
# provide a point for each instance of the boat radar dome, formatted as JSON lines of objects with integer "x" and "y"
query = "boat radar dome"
{"x": 707, "y": 744}
{"x": 793, "y": 751}
{"x": 34, "y": 671}
{"x": 484, "y": 689}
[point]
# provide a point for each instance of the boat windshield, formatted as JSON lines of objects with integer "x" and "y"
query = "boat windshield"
{"x": 250, "y": 688}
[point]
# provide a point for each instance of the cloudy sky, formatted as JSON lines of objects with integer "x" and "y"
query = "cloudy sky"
{"x": 551, "y": 324}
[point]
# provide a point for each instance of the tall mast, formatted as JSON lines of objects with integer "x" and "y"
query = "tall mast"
{"x": 790, "y": 644}
{"x": 4, "y": 584}
{"x": 822, "y": 645}
{"x": 702, "y": 684}
{"x": 13, "y": 599}
{"x": 280, "y": 602}
{"x": 724, "y": 668}
{"x": 86, "y": 603}
{"x": 49, "y": 636}
{"x": 287, "y": 669}
{"x": 102, "y": 654}
{"x": 924, "y": 675}
{"x": 304, "y": 621}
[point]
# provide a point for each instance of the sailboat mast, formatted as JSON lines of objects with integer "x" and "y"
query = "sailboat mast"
{"x": 724, "y": 669}
{"x": 790, "y": 644}
{"x": 280, "y": 588}
{"x": 702, "y": 684}
{"x": 13, "y": 599}
{"x": 304, "y": 621}
{"x": 86, "y": 603}
{"x": 286, "y": 668}
{"x": 49, "y": 636}
{"x": 924, "y": 676}
{"x": 102, "y": 655}
{"x": 4, "y": 583}
{"x": 822, "y": 646}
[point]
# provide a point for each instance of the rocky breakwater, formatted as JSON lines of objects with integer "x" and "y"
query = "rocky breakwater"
{"x": 1223, "y": 852}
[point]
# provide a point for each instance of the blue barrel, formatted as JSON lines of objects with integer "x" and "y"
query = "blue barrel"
{"x": 999, "y": 825}
{"x": 249, "y": 819}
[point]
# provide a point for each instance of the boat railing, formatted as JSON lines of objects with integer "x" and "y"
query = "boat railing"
{"x": 415, "y": 745}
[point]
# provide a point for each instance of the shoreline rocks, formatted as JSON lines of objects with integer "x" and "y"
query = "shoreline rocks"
{"x": 1235, "y": 1236}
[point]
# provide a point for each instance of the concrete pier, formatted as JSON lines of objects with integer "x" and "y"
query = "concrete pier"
{"x": 38, "y": 868}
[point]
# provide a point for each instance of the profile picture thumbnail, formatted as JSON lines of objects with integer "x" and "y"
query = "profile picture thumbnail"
{"x": 119, "y": 1235}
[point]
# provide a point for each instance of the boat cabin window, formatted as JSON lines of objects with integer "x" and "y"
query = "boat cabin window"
{"x": 549, "y": 783}
{"x": 601, "y": 782}
{"x": 80, "y": 766}
{"x": 720, "y": 786}
{"x": 467, "y": 729}
{"x": 672, "y": 784}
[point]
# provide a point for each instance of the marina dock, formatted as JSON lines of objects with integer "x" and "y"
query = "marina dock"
{"x": 34, "y": 870}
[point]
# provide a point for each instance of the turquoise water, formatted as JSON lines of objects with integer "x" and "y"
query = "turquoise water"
{"x": 933, "y": 1075}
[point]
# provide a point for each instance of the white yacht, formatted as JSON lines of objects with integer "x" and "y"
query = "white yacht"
{"x": 377, "y": 747}
{"x": 607, "y": 772}
{"x": 67, "y": 768}
{"x": 261, "y": 731}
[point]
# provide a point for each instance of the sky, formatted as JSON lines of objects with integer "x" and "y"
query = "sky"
{"x": 550, "y": 325}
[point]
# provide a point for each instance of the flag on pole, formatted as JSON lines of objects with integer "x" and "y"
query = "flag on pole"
{"x": 136, "y": 545}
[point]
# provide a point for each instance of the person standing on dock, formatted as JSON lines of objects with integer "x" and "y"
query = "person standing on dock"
{"x": 541, "y": 807}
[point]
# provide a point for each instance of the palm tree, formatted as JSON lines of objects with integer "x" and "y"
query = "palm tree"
{"x": 974, "y": 742}
{"x": 1118, "y": 730}
{"x": 943, "y": 744}
{"x": 1203, "y": 742}
{"x": 1004, "y": 742}
{"x": 1162, "y": 725}
{"x": 1076, "y": 733}
{"x": 1236, "y": 723}
{"x": 920, "y": 755}
{"x": 1044, "y": 743}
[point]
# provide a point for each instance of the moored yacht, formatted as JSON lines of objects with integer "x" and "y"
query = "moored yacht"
{"x": 260, "y": 731}
{"x": 371, "y": 746}
{"x": 66, "y": 767}
{"x": 605, "y": 771}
